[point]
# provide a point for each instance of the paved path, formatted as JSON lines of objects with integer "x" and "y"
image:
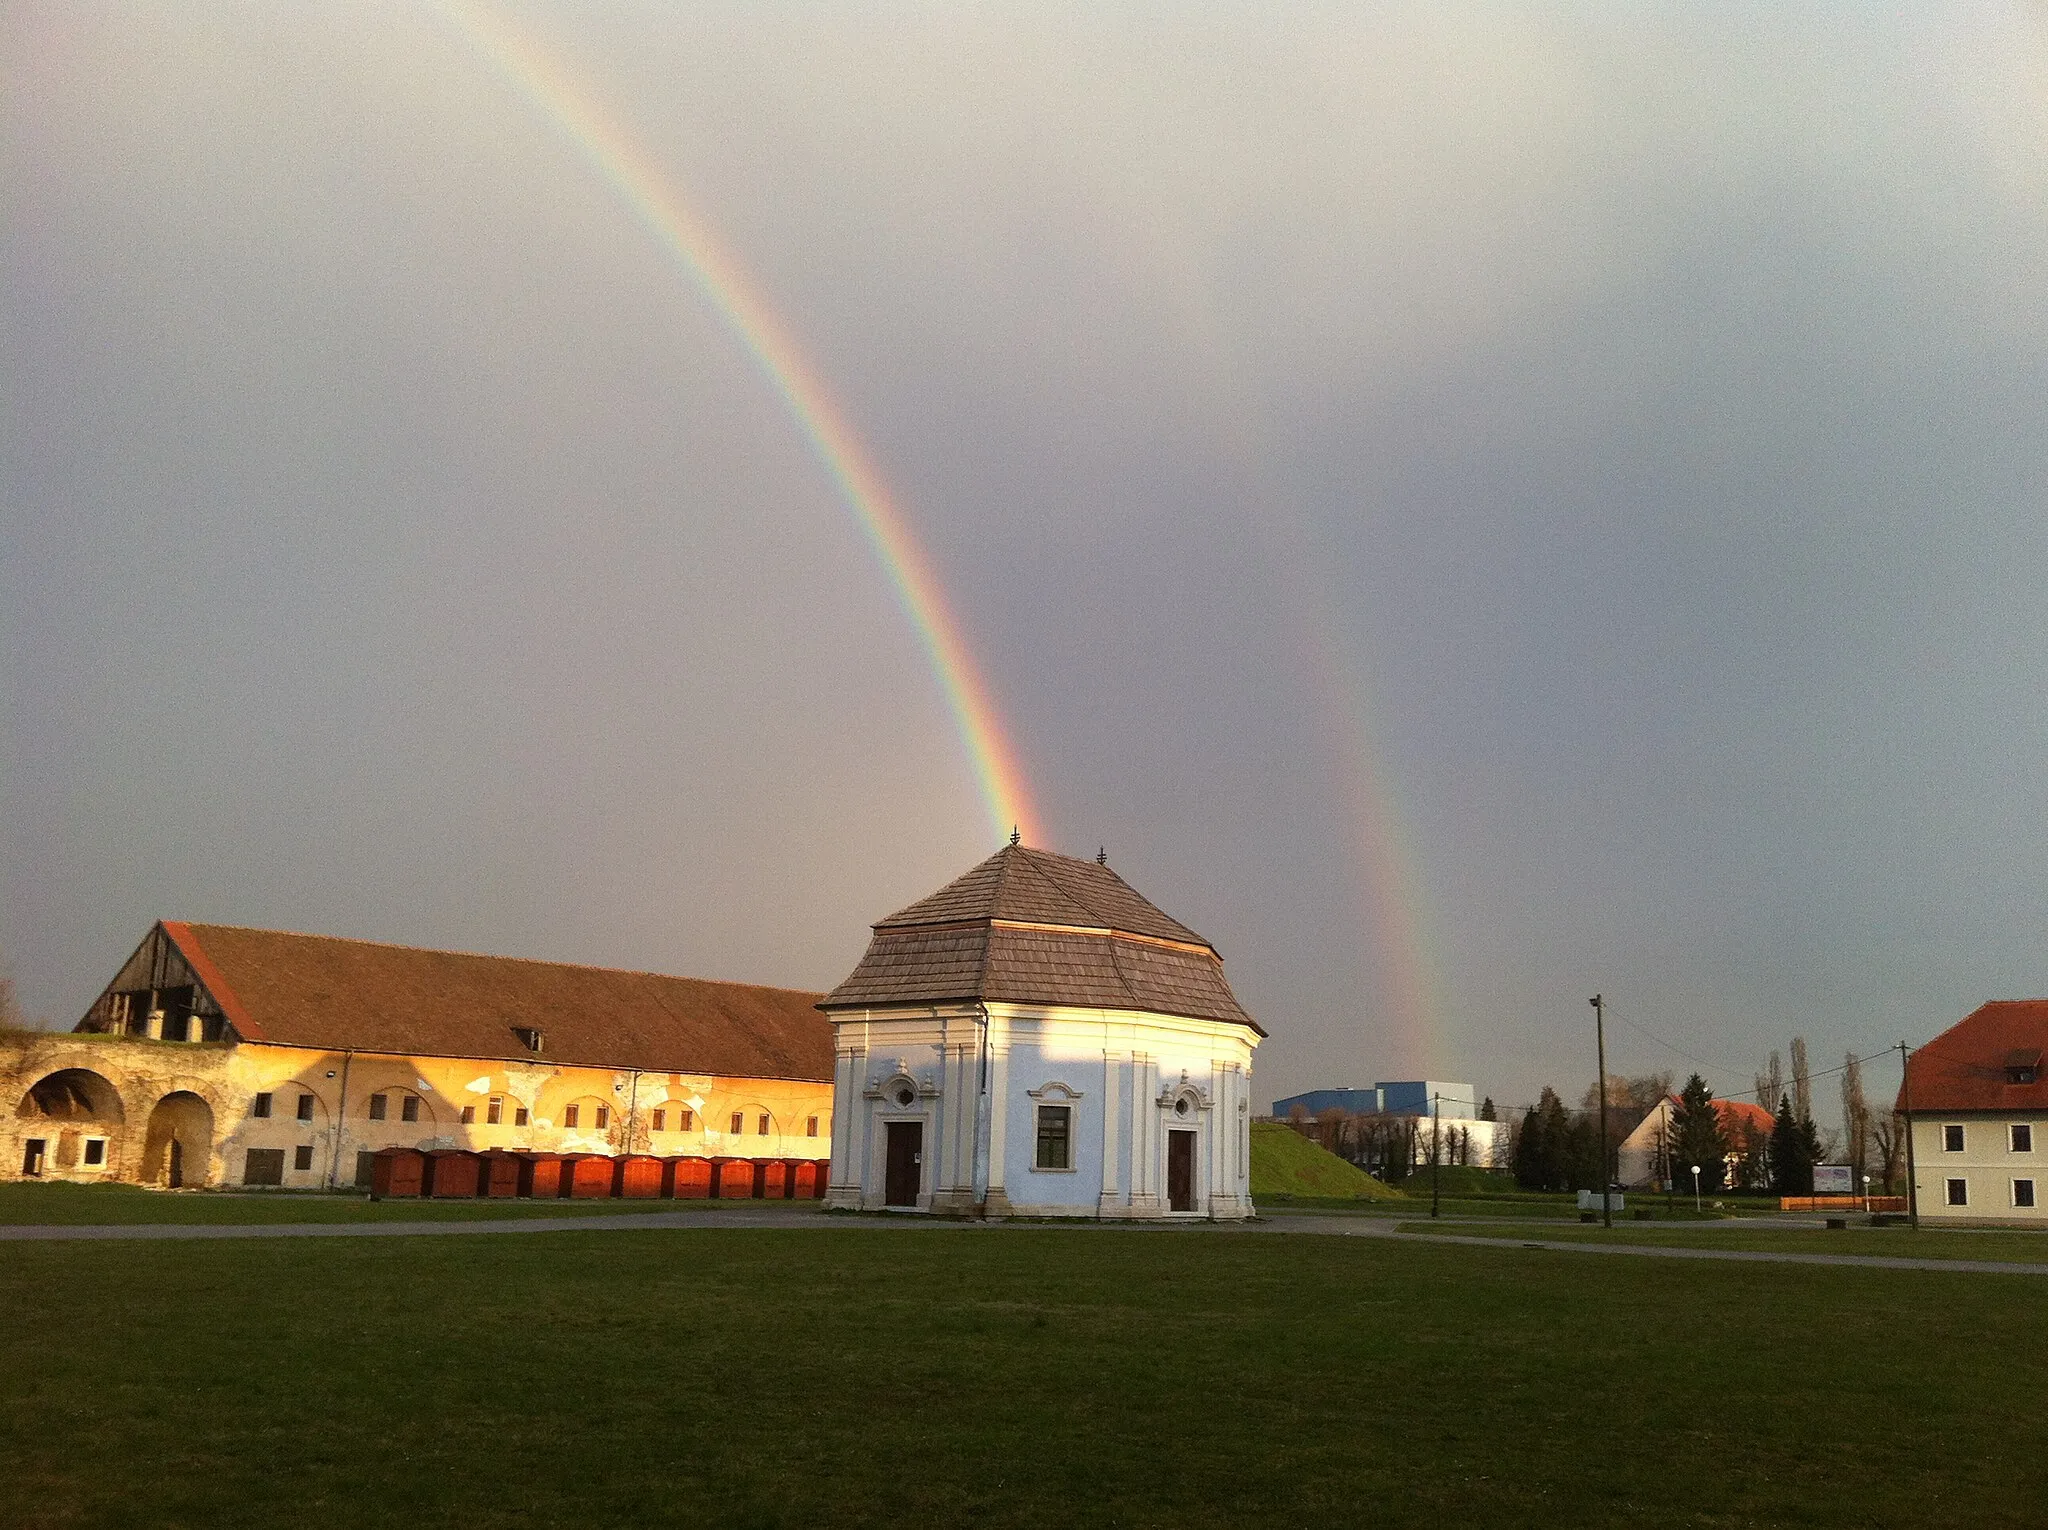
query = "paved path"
{"x": 740, "y": 1217}
{"x": 1655, "y": 1251}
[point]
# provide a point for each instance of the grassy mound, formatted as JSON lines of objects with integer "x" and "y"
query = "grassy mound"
{"x": 1285, "y": 1163}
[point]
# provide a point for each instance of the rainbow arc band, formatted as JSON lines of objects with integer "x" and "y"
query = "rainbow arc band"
{"x": 659, "y": 207}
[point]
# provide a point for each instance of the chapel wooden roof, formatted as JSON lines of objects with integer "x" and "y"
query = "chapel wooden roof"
{"x": 320, "y": 991}
{"x": 1031, "y": 927}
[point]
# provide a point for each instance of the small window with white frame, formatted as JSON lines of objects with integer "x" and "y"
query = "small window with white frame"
{"x": 2022, "y": 1136}
{"x": 95, "y": 1153}
{"x": 1952, "y": 1138}
{"x": 1959, "y": 1192}
{"x": 1055, "y": 1137}
{"x": 2023, "y": 1194}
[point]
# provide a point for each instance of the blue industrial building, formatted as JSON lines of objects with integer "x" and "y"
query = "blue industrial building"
{"x": 1406, "y": 1097}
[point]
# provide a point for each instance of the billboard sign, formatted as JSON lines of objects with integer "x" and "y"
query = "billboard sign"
{"x": 1833, "y": 1179}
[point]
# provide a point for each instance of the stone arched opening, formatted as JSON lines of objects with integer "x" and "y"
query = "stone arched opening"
{"x": 72, "y": 1120}
{"x": 177, "y": 1150}
{"x": 73, "y": 1094}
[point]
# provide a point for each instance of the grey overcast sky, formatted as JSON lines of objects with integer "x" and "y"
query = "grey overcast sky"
{"x": 1472, "y": 507}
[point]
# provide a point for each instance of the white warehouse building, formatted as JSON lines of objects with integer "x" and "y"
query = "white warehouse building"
{"x": 1036, "y": 1039}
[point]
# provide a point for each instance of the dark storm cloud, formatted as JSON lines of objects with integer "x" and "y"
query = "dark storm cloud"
{"x": 1639, "y": 416}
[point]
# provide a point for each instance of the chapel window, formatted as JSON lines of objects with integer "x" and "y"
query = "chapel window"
{"x": 469, "y": 1115}
{"x": 661, "y": 1120}
{"x": 739, "y": 1123}
{"x": 811, "y": 1127}
{"x": 604, "y": 1117}
{"x": 302, "y": 1156}
{"x": 761, "y": 1127}
{"x": 519, "y": 1116}
{"x": 409, "y": 1108}
{"x": 305, "y": 1107}
{"x": 494, "y": 1113}
{"x": 570, "y": 1114}
{"x": 686, "y": 1120}
{"x": 1055, "y": 1130}
{"x": 260, "y": 1106}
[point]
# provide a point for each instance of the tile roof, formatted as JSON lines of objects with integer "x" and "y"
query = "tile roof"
{"x": 1735, "y": 1114}
{"x": 320, "y": 991}
{"x": 1965, "y": 1067}
{"x": 1039, "y": 887}
{"x": 1031, "y": 927}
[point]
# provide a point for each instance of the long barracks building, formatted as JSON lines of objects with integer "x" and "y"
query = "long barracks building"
{"x": 220, "y": 1055}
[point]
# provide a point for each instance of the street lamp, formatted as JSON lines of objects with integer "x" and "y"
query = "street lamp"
{"x": 1695, "y": 1189}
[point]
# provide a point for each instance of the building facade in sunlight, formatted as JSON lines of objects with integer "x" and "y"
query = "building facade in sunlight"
{"x": 1977, "y": 1102}
{"x": 1036, "y": 1039}
{"x": 232, "y": 1056}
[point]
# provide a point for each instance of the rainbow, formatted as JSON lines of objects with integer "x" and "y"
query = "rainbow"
{"x": 652, "y": 198}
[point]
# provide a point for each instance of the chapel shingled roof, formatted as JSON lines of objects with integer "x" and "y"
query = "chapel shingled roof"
{"x": 1031, "y": 927}
{"x": 320, "y": 991}
{"x": 1970, "y": 1066}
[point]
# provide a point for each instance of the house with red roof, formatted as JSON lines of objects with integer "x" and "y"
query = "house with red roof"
{"x": 1977, "y": 1106}
{"x": 1644, "y": 1155}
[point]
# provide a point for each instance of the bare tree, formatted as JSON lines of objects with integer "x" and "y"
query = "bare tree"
{"x": 1802, "y": 1082}
{"x": 1888, "y": 1136}
{"x": 1855, "y": 1115}
{"x": 1330, "y": 1130}
{"x": 1770, "y": 1085}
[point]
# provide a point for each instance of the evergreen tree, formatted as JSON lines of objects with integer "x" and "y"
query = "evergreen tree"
{"x": 1697, "y": 1138}
{"x": 1582, "y": 1162}
{"x": 1486, "y": 1109}
{"x": 1529, "y": 1151}
{"x": 1559, "y": 1149}
{"x": 1793, "y": 1150}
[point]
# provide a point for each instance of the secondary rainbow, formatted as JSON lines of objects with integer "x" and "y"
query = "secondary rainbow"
{"x": 609, "y": 149}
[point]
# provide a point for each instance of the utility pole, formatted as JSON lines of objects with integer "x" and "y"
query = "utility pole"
{"x": 1912, "y": 1172}
{"x": 1600, "y": 1044}
{"x": 1436, "y": 1152}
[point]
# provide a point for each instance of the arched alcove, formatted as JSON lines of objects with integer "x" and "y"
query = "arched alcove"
{"x": 76, "y": 1095}
{"x": 178, "y": 1148}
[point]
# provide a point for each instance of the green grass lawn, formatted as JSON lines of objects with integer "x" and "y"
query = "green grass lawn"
{"x": 66, "y": 1205}
{"x": 1759, "y": 1236}
{"x": 852, "y": 1375}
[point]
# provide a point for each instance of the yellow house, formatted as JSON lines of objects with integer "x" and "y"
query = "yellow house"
{"x": 220, "y": 1055}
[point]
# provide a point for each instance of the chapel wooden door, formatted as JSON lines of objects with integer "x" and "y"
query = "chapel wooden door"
{"x": 906, "y": 1160}
{"x": 1180, "y": 1171}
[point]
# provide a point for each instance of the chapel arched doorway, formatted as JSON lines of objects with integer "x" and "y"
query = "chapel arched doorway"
{"x": 179, "y": 1144}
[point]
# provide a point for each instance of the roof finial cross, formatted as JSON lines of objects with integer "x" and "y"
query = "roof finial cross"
{"x": 1015, "y": 837}
{"x": 1102, "y": 856}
